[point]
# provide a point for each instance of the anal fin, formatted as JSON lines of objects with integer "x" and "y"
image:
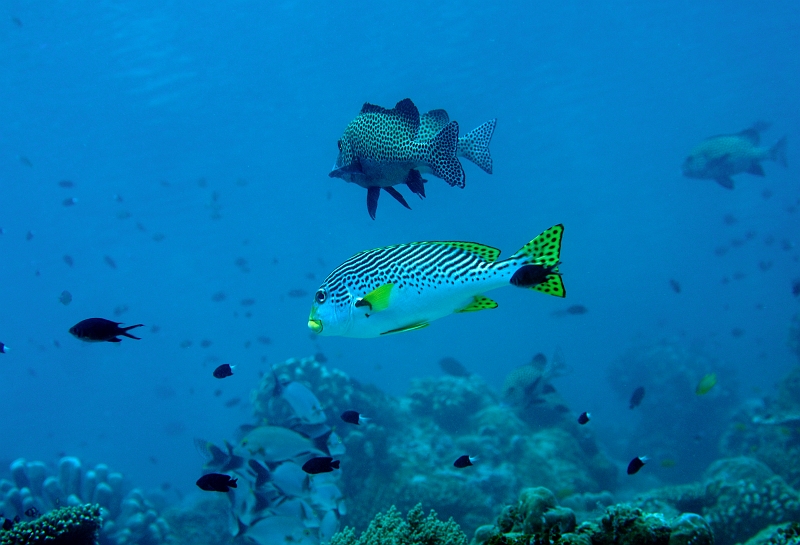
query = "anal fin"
{"x": 725, "y": 181}
{"x": 412, "y": 327}
{"x": 396, "y": 194}
{"x": 479, "y": 302}
{"x": 756, "y": 169}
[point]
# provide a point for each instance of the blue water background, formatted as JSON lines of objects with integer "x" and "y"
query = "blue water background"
{"x": 597, "y": 105}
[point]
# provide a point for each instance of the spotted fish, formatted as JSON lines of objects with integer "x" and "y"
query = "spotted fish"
{"x": 720, "y": 157}
{"x": 473, "y": 146}
{"x": 407, "y": 286}
{"x": 379, "y": 149}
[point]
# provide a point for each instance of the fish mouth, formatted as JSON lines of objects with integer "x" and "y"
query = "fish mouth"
{"x": 315, "y": 326}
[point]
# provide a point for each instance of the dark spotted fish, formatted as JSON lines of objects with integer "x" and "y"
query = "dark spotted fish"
{"x": 720, "y": 157}
{"x": 405, "y": 287}
{"x": 379, "y": 149}
{"x": 473, "y": 146}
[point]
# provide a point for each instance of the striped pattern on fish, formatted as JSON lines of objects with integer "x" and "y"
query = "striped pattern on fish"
{"x": 406, "y": 286}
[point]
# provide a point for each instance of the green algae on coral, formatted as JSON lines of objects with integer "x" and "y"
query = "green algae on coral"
{"x": 64, "y": 526}
{"x": 390, "y": 529}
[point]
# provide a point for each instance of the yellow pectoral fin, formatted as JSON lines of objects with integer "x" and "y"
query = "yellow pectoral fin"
{"x": 412, "y": 327}
{"x": 377, "y": 299}
{"x": 479, "y": 302}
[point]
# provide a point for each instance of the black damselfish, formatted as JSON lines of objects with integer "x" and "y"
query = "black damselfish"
{"x": 224, "y": 370}
{"x": 637, "y": 397}
{"x": 464, "y": 461}
{"x": 584, "y": 418}
{"x": 320, "y": 464}
{"x": 636, "y": 464}
{"x": 216, "y": 482}
{"x": 353, "y": 417}
{"x": 96, "y": 330}
{"x": 4, "y": 348}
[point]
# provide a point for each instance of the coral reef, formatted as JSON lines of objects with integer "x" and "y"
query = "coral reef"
{"x": 390, "y": 529}
{"x": 769, "y": 430}
{"x": 404, "y": 455}
{"x": 738, "y": 497}
{"x": 670, "y": 372}
{"x": 537, "y": 518}
{"x": 204, "y": 522}
{"x": 129, "y": 517}
{"x": 779, "y": 534}
{"x": 64, "y": 526}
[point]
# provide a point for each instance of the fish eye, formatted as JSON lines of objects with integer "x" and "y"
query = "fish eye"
{"x": 320, "y": 296}
{"x": 339, "y": 143}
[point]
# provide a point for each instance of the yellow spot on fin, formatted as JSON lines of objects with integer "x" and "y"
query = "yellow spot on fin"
{"x": 377, "y": 299}
{"x": 544, "y": 249}
{"x": 412, "y": 327}
{"x": 552, "y": 286}
{"x": 487, "y": 253}
{"x": 480, "y": 302}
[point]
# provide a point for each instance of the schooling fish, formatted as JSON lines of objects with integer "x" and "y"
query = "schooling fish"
{"x": 353, "y": 417}
{"x": 584, "y": 418}
{"x": 465, "y": 461}
{"x": 95, "y": 330}
{"x": 276, "y": 444}
{"x": 720, "y": 157}
{"x": 379, "y": 149}
{"x": 216, "y": 482}
{"x": 320, "y": 464}
{"x": 224, "y": 370}
{"x": 636, "y": 464}
{"x": 217, "y": 458}
{"x": 637, "y": 397}
{"x": 405, "y": 287}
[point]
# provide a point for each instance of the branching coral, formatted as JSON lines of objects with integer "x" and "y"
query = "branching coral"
{"x": 390, "y": 529}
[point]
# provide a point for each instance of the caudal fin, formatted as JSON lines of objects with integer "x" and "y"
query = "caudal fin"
{"x": 475, "y": 145}
{"x": 539, "y": 270}
{"x": 441, "y": 156}
{"x": 124, "y": 331}
{"x": 778, "y": 152}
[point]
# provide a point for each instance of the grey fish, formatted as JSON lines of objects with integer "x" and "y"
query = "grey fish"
{"x": 720, "y": 157}
{"x": 306, "y": 407}
{"x": 379, "y": 149}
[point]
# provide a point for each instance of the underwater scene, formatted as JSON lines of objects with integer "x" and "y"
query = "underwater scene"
{"x": 399, "y": 273}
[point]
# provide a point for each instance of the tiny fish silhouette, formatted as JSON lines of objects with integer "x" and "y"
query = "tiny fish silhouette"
{"x": 101, "y": 330}
{"x": 584, "y": 418}
{"x": 216, "y": 482}
{"x": 224, "y": 370}
{"x": 354, "y": 417}
{"x": 464, "y": 461}
{"x": 637, "y": 397}
{"x": 320, "y": 464}
{"x": 4, "y": 348}
{"x": 636, "y": 464}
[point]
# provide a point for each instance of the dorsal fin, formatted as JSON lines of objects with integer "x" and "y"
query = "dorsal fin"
{"x": 368, "y": 108}
{"x": 752, "y": 135}
{"x": 408, "y": 112}
{"x": 430, "y": 123}
{"x": 487, "y": 253}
